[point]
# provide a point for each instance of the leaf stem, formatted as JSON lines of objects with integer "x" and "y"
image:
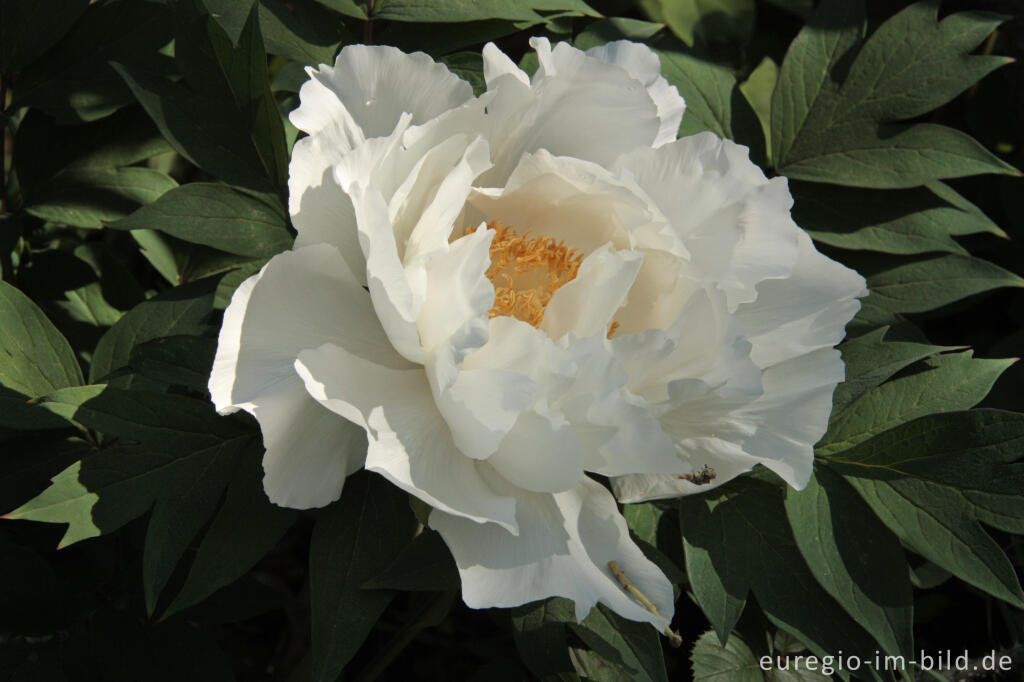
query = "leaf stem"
{"x": 6, "y": 266}
{"x": 368, "y": 26}
{"x": 432, "y": 613}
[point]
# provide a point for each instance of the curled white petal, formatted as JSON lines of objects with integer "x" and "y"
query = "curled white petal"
{"x": 565, "y": 543}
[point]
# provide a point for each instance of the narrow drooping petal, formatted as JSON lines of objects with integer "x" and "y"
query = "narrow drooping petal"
{"x": 409, "y": 442}
{"x": 395, "y": 300}
{"x": 322, "y": 213}
{"x": 299, "y": 471}
{"x": 564, "y": 546}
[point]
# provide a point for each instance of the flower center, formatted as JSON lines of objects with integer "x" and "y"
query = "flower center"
{"x": 527, "y": 271}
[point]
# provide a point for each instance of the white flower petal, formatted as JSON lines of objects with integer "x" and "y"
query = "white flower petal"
{"x": 565, "y": 543}
{"x": 727, "y": 462}
{"x": 587, "y": 109}
{"x": 733, "y": 220}
{"x": 395, "y": 300}
{"x": 458, "y": 297}
{"x": 541, "y": 454}
{"x": 436, "y": 220}
{"x": 807, "y": 311}
{"x": 586, "y": 305}
{"x": 480, "y": 406}
{"x": 618, "y": 433}
{"x": 322, "y": 214}
{"x": 323, "y": 115}
{"x": 373, "y": 86}
{"x": 517, "y": 346}
{"x": 409, "y": 442}
{"x": 319, "y": 178}
{"x": 577, "y": 202}
{"x": 793, "y": 413}
{"x": 264, "y": 329}
{"x": 498, "y": 64}
{"x": 778, "y": 430}
{"x": 643, "y": 64}
{"x": 310, "y": 450}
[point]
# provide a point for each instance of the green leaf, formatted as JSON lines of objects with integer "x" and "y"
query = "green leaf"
{"x": 217, "y": 216}
{"x": 539, "y": 632}
{"x": 36, "y": 358}
{"x": 181, "y": 310}
{"x": 799, "y": 7}
{"x": 814, "y": 66}
{"x": 469, "y": 66}
{"x": 870, "y": 360}
{"x": 758, "y": 89}
{"x": 159, "y": 251}
{"x": 303, "y": 30}
{"x": 907, "y": 221}
{"x": 733, "y": 662}
{"x": 713, "y": 98}
{"x": 616, "y": 28}
{"x": 439, "y": 39}
{"x": 720, "y": 591}
{"x": 855, "y": 558}
{"x": 913, "y": 63}
{"x": 162, "y": 422}
{"x": 429, "y": 11}
{"x": 845, "y": 134}
{"x": 74, "y": 81}
{"x": 590, "y": 665}
{"x": 350, "y": 8}
{"x": 643, "y": 519}
{"x": 27, "y": 29}
{"x": 740, "y": 537}
{"x": 946, "y": 383}
{"x": 934, "y": 282}
{"x": 45, "y": 148}
{"x": 351, "y": 541}
{"x": 894, "y": 155}
{"x": 227, "y": 122}
{"x": 244, "y": 529}
{"x": 88, "y": 304}
{"x": 176, "y": 360}
{"x": 708, "y": 21}
{"x": 932, "y": 480}
{"x": 178, "y": 441}
{"x": 634, "y": 646}
{"x": 29, "y": 462}
{"x": 178, "y": 516}
{"x": 425, "y": 564}
{"x": 90, "y": 197}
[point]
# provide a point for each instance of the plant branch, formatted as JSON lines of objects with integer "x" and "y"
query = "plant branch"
{"x": 432, "y": 613}
{"x": 6, "y": 266}
{"x": 368, "y": 26}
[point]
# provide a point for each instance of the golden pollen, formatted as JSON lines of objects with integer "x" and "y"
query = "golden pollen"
{"x": 527, "y": 271}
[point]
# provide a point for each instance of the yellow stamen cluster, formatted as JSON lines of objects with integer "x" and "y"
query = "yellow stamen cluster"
{"x": 527, "y": 271}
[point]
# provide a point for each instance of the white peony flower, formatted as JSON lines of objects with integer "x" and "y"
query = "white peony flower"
{"x": 504, "y": 293}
